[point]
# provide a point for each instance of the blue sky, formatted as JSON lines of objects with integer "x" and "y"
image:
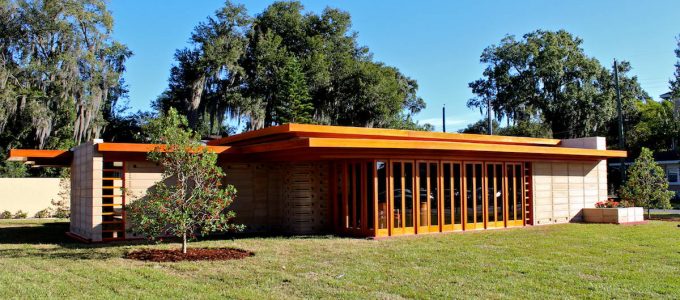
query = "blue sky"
{"x": 438, "y": 43}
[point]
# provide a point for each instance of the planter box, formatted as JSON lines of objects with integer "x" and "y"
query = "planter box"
{"x": 613, "y": 215}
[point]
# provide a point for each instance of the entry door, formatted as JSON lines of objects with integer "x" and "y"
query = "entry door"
{"x": 402, "y": 219}
{"x": 495, "y": 196}
{"x": 452, "y": 204}
{"x": 515, "y": 194}
{"x": 427, "y": 201}
{"x": 474, "y": 195}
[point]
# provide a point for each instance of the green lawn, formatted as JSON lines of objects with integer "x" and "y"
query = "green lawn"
{"x": 558, "y": 261}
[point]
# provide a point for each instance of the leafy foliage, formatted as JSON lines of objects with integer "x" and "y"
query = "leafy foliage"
{"x": 547, "y": 77}
{"x": 45, "y": 213}
{"x": 60, "y": 71}
{"x": 20, "y": 214}
{"x": 675, "y": 82}
{"x": 190, "y": 199}
{"x": 656, "y": 126}
{"x": 284, "y": 65}
{"x": 520, "y": 128}
{"x": 62, "y": 205}
{"x": 646, "y": 184}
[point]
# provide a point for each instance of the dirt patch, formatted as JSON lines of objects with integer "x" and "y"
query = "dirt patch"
{"x": 193, "y": 254}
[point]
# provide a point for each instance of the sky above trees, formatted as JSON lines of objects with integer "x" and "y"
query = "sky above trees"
{"x": 437, "y": 43}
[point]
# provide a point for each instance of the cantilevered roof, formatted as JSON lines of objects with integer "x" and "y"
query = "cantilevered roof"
{"x": 44, "y": 158}
{"x": 310, "y": 142}
{"x": 287, "y": 131}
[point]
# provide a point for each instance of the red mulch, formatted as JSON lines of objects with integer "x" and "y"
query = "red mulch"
{"x": 193, "y": 254}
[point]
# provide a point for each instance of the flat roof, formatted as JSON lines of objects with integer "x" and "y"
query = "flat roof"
{"x": 308, "y": 142}
{"x": 326, "y": 131}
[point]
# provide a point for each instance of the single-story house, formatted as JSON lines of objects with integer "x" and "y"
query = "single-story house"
{"x": 368, "y": 182}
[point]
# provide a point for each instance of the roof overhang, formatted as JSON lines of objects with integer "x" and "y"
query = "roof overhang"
{"x": 314, "y": 142}
{"x": 454, "y": 148}
{"x": 146, "y": 148}
{"x": 289, "y": 131}
{"x": 41, "y": 158}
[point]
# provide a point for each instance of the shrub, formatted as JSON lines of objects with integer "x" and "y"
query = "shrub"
{"x": 20, "y": 214}
{"x": 646, "y": 183}
{"x": 62, "y": 208}
{"x": 610, "y": 203}
{"x": 45, "y": 213}
{"x": 6, "y": 215}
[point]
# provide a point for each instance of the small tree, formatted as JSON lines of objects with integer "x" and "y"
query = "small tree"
{"x": 646, "y": 185}
{"x": 190, "y": 199}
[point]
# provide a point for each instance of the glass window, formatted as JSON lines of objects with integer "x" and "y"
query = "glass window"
{"x": 357, "y": 196}
{"x": 499, "y": 193}
{"x": 479, "y": 193}
{"x": 422, "y": 193}
{"x": 350, "y": 196}
{"x": 370, "y": 195}
{"x": 511, "y": 192}
{"x": 434, "y": 195}
{"x": 457, "y": 195}
{"x": 446, "y": 174}
{"x": 381, "y": 168}
{"x": 408, "y": 194}
{"x": 672, "y": 175}
{"x": 340, "y": 194}
{"x": 518, "y": 190}
{"x": 490, "y": 193}
{"x": 398, "y": 194}
{"x": 469, "y": 193}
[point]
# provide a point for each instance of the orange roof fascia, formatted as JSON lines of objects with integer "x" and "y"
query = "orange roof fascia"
{"x": 31, "y": 154}
{"x": 251, "y": 135}
{"x": 381, "y": 133}
{"x": 427, "y": 145}
{"x": 460, "y": 146}
{"x": 145, "y": 148}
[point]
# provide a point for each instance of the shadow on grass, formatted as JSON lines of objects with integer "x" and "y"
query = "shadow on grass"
{"x": 44, "y": 236}
{"x": 54, "y": 234}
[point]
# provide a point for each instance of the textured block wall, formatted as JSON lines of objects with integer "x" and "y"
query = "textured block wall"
{"x": 86, "y": 192}
{"x": 563, "y": 189}
{"x": 280, "y": 197}
{"x": 139, "y": 177}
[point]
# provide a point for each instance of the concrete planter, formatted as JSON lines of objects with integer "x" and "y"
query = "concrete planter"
{"x": 619, "y": 215}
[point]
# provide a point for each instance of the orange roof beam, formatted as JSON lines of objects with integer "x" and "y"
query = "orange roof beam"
{"x": 145, "y": 148}
{"x": 324, "y": 131}
{"x": 344, "y": 143}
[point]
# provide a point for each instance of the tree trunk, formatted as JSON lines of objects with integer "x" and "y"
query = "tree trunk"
{"x": 649, "y": 213}
{"x": 196, "y": 94}
{"x": 184, "y": 243}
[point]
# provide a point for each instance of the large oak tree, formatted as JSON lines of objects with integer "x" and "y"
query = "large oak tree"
{"x": 236, "y": 65}
{"x": 546, "y": 77}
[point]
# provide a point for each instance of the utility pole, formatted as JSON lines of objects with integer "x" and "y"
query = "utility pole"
{"x": 622, "y": 142}
{"x": 444, "y": 118}
{"x": 488, "y": 113}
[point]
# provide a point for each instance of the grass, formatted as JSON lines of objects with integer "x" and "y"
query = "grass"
{"x": 558, "y": 261}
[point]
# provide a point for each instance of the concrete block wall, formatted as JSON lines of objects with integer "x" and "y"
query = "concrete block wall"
{"x": 280, "y": 197}
{"x": 86, "y": 192}
{"x": 140, "y": 176}
{"x": 561, "y": 190}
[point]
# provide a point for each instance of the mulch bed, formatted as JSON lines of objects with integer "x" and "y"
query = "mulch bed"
{"x": 193, "y": 254}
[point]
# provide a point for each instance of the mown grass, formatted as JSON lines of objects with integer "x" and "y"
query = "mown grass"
{"x": 558, "y": 261}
